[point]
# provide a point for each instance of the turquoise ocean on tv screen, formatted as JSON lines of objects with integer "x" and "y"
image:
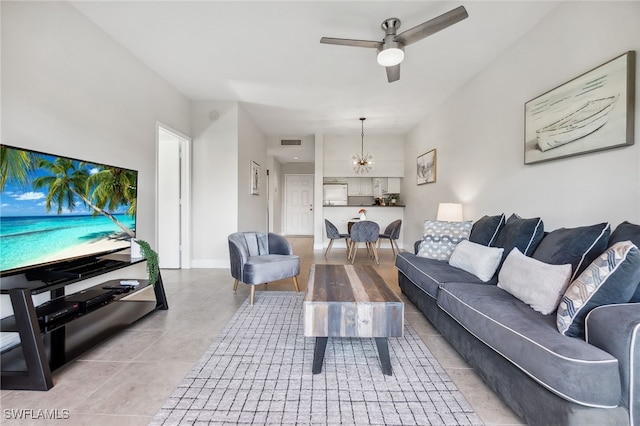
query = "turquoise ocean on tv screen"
{"x": 26, "y": 240}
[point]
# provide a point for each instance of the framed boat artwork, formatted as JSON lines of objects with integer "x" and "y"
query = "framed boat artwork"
{"x": 592, "y": 112}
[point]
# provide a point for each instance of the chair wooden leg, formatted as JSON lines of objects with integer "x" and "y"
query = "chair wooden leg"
{"x": 328, "y": 248}
{"x": 375, "y": 253}
{"x": 394, "y": 244}
{"x": 235, "y": 286}
{"x": 355, "y": 251}
{"x": 295, "y": 282}
{"x": 253, "y": 293}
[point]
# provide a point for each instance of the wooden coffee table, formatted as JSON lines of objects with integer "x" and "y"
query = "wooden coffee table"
{"x": 351, "y": 301}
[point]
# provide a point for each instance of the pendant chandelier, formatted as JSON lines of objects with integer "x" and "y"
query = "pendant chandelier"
{"x": 362, "y": 163}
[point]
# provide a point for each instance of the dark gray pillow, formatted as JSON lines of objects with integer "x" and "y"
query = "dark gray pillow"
{"x": 627, "y": 232}
{"x": 576, "y": 246}
{"x": 486, "y": 229}
{"x": 525, "y": 234}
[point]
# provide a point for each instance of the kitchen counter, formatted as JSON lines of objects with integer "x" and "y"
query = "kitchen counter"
{"x": 340, "y": 216}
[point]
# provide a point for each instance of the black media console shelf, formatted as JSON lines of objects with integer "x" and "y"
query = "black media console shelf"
{"x": 85, "y": 319}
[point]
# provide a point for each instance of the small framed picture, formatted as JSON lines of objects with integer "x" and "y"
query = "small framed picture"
{"x": 426, "y": 168}
{"x": 255, "y": 178}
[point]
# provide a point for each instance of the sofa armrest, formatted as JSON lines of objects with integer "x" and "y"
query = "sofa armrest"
{"x": 616, "y": 330}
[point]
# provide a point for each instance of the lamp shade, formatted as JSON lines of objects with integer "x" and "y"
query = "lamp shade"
{"x": 450, "y": 212}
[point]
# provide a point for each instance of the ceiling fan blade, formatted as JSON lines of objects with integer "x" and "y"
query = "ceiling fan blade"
{"x": 350, "y": 42}
{"x": 393, "y": 73}
{"x": 432, "y": 26}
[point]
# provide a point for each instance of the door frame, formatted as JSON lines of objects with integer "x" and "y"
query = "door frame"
{"x": 285, "y": 219}
{"x": 185, "y": 191}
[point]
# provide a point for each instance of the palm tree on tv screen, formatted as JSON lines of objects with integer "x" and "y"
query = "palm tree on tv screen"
{"x": 69, "y": 180}
{"x": 14, "y": 164}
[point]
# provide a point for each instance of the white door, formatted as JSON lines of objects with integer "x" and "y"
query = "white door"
{"x": 298, "y": 204}
{"x": 173, "y": 200}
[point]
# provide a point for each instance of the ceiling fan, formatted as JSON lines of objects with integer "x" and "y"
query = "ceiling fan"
{"x": 391, "y": 48}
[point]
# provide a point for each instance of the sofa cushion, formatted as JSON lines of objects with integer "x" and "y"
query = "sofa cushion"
{"x": 486, "y": 229}
{"x": 523, "y": 234}
{"x": 627, "y": 232}
{"x": 570, "y": 368}
{"x": 577, "y": 246}
{"x": 538, "y": 284}
{"x": 440, "y": 238}
{"x": 477, "y": 259}
{"x": 428, "y": 274}
{"x": 611, "y": 278}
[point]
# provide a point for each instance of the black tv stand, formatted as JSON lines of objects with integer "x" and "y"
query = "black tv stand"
{"x": 70, "y": 271}
{"x": 45, "y": 346}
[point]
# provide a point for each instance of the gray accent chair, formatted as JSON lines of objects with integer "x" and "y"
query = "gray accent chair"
{"x": 332, "y": 235}
{"x": 261, "y": 257}
{"x": 366, "y": 232}
{"x": 391, "y": 233}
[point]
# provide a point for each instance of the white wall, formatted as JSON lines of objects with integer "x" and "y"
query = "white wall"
{"x": 276, "y": 183}
{"x": 214, "y": 182}
{"x": 69, "y": 89}
{"x": 387, "y": 150}
{"x": 252, "y": 146}
{"x": 479, "y": 131}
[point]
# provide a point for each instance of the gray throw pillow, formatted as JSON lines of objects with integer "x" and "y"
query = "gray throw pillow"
{"x": 523, "y": 234}
{"x": 486, "y": 229}
{"x": 576, "y": 246}
{"x": 627, "y": 232}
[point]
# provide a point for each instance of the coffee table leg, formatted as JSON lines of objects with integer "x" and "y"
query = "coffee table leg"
{"x": 383, "y": 353}
{"x": 318, "y": 354}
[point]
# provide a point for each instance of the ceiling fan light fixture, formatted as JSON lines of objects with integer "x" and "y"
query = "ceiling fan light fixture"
{"x": 390, "y": 56}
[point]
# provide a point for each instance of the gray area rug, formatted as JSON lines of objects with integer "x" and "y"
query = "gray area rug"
{"x": 258, "y": 371}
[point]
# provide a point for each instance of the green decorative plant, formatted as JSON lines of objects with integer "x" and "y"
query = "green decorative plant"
{"x": 153, "y": 267}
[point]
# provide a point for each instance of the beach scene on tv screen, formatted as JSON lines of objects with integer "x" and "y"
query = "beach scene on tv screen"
{"x": 55, "y": 208}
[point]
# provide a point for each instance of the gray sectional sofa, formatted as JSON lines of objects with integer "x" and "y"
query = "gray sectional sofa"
{"x": 546, "y": 378}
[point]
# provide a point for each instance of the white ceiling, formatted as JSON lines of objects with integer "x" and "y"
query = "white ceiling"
{"x": 267, "y": 55}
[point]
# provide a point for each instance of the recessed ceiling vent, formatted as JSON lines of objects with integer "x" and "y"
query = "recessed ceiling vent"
{"x": 290, "y": 142}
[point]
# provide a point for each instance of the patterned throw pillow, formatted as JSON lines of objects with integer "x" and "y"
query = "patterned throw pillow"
{"x": 611, "y": 278}
{"x": 440, "y": 238}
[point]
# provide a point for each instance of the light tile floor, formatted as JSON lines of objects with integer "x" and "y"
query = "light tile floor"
{"x": 126, "y": 379}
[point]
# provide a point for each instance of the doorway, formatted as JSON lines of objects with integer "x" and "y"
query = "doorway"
{"x": 173, "y": 198}
{"x": 298, "y": 203}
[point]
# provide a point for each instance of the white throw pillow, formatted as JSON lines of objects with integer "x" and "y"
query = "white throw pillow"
{"x": 479, "y": 260}
{"x": 538, "y": 284}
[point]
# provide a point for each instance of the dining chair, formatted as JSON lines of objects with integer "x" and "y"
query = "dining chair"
{"x": 333, "y": 234}
{"x": 391, "y": 233}
{"x": 261, "y": 257}
{"x": 366, "y": 232}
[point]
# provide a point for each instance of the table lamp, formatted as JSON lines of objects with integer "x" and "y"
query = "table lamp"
{"x": 450, "y": 212}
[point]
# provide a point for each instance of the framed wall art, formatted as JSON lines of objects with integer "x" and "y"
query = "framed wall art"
{"x": 592, "y": 112}
{"x": 255, "y": 178}
{"x": 426, "y": 168}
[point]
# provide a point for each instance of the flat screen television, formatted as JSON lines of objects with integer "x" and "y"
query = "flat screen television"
{"x": 55, "y": 209}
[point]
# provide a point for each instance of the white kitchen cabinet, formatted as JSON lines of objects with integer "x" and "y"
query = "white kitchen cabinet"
{"x": 360, "y": 186}
{"x": 335, "y": 180}
{"x": 393, "y": 185}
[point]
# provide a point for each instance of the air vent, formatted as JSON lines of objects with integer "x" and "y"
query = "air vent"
{"x": 290, "y": 142}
